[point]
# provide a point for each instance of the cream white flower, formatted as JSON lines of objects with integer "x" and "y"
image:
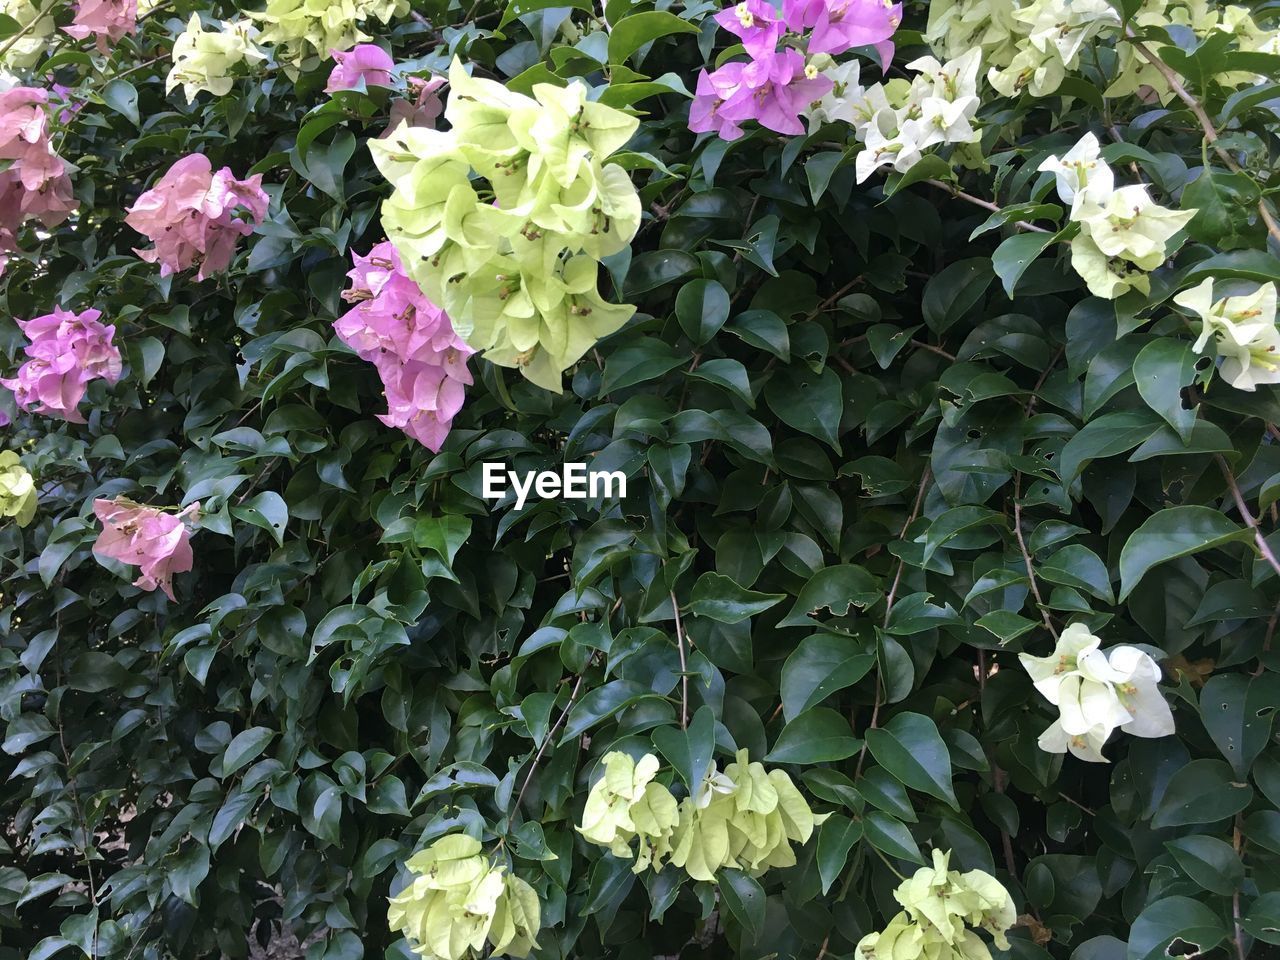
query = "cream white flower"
{"x": 1130, "y": 225}
{"x": 1096, "y": 693}
{"x": 1081, "y": 173}
{"x": 1245, "y": 332}
{"x": 204, "y": 60}
{"x": 842, "y": 100}
{"x": 1106, "y": 277}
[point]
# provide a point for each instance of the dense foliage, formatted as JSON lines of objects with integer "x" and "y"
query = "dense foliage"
{"x": 940, "y": 605}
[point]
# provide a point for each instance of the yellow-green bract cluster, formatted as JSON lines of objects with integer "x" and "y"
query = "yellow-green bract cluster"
{"x": 17, "y": 489}
{"x": 514, "y": 264}
{"x": 745, "y": 818}
{"x": 939, "y": 907}
{"x": 459, "y": 899}
{"x": 302, "y": 28}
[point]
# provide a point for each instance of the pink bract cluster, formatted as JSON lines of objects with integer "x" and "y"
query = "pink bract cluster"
{"x": 158, "y": 543}
{"x": 107, "y": 20}
{"x": 365, "y": 61}
{"x": 195, "y": 216}
{"x": 777, "y": 85}
{"x": 422, "y": 362}
{"x": 35, "y": 183}
{"x": 421, "y": 108}
{"x": 67, "y": 351}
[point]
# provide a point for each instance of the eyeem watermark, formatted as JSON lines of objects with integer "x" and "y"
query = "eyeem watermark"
{"x": 573, "y": 482}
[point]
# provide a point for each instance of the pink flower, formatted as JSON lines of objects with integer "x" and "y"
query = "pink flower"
{"x": 839, "y": 25}
{"x": 67, "y": 351}
{"x": 756, "y": 22}
{"x": 422, "y": 111}
{"x": 365, "y": 61}
{"x": 712, "y": 91}
{"x": 775, "y": 91}
{"x": 105, "y": 19}
{"x": 196, "y": 216}
{"x": 35, "y": 183}
{"x": 157, "y": 542}
{"x": 411, "y": 343}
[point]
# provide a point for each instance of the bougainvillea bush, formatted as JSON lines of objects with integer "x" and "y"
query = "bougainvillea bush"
{"x": 936, "y": 344}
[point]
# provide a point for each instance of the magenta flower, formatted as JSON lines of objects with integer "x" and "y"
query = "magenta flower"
{"x": 839, "y": 25}
{"x": 756, "y": 22}
{"x": 157, "y": 542}
{"x": 365, "y": 61}
{"x": 775, "y": 90}
{"x": 411, "y": 343}
{"x": 107, "y": 20}
{"x": 710, "y": 95}
{"x": 195, "y": 216}
{"x": 67, "y": 351}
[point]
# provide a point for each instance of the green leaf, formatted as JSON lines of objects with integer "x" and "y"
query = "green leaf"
{"x": 836, "y": 838}
{"x": 1223, "y": 203}
{"x": 1162, "y": 369}
{"x": 633, "y": 32}
{"x": 1011, "y": 259}
{"x": 745, "y": 899}
{"x": 638, "y": 363}
{"x": 1238, "y": 710}
{"x": 518, "y": 8}
{"x": 1181, "y": 918}
{"x": 244, "y": 748}
{"x": 836, "y": 590}
{"x": 910, "y": 748}
{"x": 952, "y": 523}
{"x": 809, "y": 402}
{"x": 718, "y": 598}
{"x": 727, "y": 373}
{"x": 702, "y": 307}
{"x": 1106, "y": 436}
{"x": 266, "y": 510}
{"x": 891, "y": 836}
{"x": 819, "y": 735}
{"x": 1078, "y": 566}
{"x": 1171, "y": 533}
{"x": 689, "y": 751}
{"x": 1201, "y": 792}
{"x": 1209, "y": 862}
{"x": 817, "y": 668}
{"x": 951, "y": 292}
{"x": 602, "y": 703}
{"x": 122, "y": 97}
{"x": 764, "y": 330}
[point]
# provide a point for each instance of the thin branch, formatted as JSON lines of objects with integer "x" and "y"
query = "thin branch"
{"x": 684, "y": 668}
{"x": 1210, "y": 131}
{"x": 1026, "y": 556}
{"x": 542, "y": 748}
{"x": 985, "y": 204}
{"x": 1238, "y": 844}
{"x": 1263, "y": 547}
{"x": 932, "y": 349}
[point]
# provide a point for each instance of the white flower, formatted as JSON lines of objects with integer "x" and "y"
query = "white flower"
{"x": 1096, "y": 693}
{"x": 1129, "y": 224}
{"x": 1106, "y": 277}
{"x": 1081, "y": 173}
{"x": 842, "y": 101}
{"x": 1245, "y": 328}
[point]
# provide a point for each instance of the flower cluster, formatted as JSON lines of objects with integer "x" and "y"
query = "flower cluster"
{"x": 422, "y": 362}
{"x": 421, "y": 107}
{"x": 627, "y": 804}
{"x": 365, "y": 63}
{"x": 35, "y": 27}
{"x": 299, "y": 29}
{"x": 34, "y": 182}
{"x": 194, "y": 216}
{"x": 17, "y": 489}
{"x": 939, "y": 906}
{"x": 745, "y": 818}
{"x": 457, "y": 900}
{"x": 158, "y": 543}
{"x": 1097, "y": 692}
{"x": 67, "y": 351}
{"x": 897, "y": 127}
{"x": 204, "y": 59}
{"x": 1244, "y": 328}
{"x": 106, "y": 20}
{"x": 776, "y": 86}
{"x": 514, "y": 265}
{"x": 1123, "y": 232}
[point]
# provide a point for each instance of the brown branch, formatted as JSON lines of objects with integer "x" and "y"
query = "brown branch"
{"x": 1238, "y": 844}
{"x": 1026, "y": 556}
{"x": 1263, "y": 547}
{"x": 985, "y": 204}
{"x": 1210, "y": 131}
{"x": 684, "y": 669}
{"x": 932, "y": 349}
